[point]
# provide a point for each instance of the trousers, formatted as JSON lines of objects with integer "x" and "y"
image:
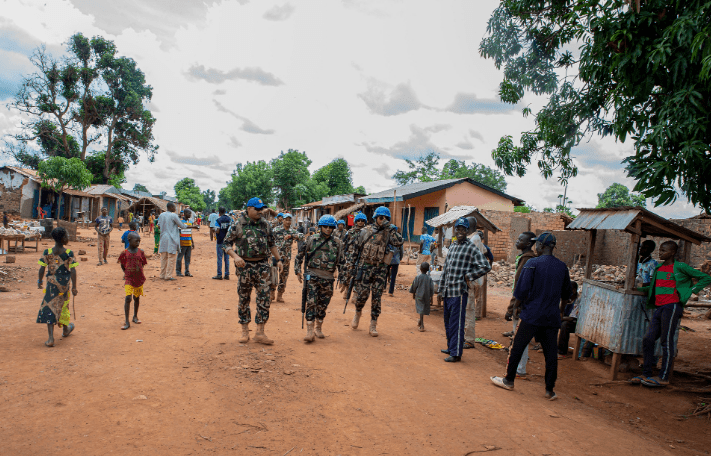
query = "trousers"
{"x": 663, "y": 325}
{"x": 167, "y": 264}
{"x": 521, "y": 370}
{"x": 186, "y": 252}
{"x": 222, "y": 257}
{"x": 284, "y": 276}
{"x": 318, "y": 296}
{"x": 392, "y": 274}
{"x": 254, "y": 275}
{"x": 566, "y": 329}
{"x": 455, "y": 312}
{"x": 374, "y": 278}
{"x": 102, "y": 244}
{"x": 470, "y": 321}
{"x": 547, "y": 336}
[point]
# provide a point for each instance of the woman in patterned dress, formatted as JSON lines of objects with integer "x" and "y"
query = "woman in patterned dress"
{"x": 60, "y": 265}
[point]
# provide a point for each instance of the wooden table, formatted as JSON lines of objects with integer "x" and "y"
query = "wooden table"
{"x": 10, "y": 238}
{"x": 35, "y": 238}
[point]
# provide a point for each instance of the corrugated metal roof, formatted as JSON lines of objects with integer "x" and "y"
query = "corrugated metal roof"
{"x": 338, "y": 199}
{"x": 462, "y": 211}
{"x": 78, "y": 193}
{"x": 100, "y": 189}
{"x": 623, "y": 218}
{"x": 406, "y": 192}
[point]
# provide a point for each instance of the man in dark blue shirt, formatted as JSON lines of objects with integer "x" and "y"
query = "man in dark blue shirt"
{"x": 221, "y": 225}
{"x": 543, "y": 282}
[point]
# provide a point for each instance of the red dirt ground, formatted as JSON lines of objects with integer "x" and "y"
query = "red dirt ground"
{"x": 180, "y": 383}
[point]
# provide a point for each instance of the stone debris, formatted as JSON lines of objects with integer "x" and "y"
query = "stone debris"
{"x": 502, "y": 274}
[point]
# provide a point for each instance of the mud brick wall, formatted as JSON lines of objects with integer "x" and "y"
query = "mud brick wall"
{"x": 512, "y": 224}
{"x": 10, "y": 199}
{"x": 699, "y": 253}
{"x": 71, "y": 228}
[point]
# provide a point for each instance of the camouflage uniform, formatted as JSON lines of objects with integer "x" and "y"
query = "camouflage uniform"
{"x": 284, "y": 247}
{"x": 375, "y": 271}
{"x": 340, "y": 234}
{"x": 321, "y": 268}
{"x": 251, "y": 240}
{"x": 349, "y": 254}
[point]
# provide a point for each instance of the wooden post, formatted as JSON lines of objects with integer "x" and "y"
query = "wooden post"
{"x": 485, "y": 286}
{"x": 633, "y": 257}
{"x": 440, "y": 238}
{"x": 591, "y": 250}
{"x": 576, "y": 350}
{"x": 686, "y": 253}
{"x": 616, "y": 359}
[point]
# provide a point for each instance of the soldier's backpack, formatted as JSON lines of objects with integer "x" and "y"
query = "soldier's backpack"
{"x": 375, "y": 248}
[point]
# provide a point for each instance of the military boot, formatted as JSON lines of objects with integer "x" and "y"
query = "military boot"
{"x": 356, "y": 320}
{"x": 260, "y": 337}
{"x": 273, "y": 296}
{"x": 372, "y": 331}
{"x": 280, "y": 296}
{"x": 245, "y": 334}
{"x": 309, "y": 337}
{"x": 317, "y": 329}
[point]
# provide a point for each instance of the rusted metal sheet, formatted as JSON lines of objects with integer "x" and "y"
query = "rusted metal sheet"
{"x": 614, "y": 319}
{"x": 456, "y": 212}
{"x": 617, "y": 220}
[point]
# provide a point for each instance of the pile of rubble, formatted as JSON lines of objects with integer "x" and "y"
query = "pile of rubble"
{"x": 11, "y": 274}
{"x": 502, "y": 274}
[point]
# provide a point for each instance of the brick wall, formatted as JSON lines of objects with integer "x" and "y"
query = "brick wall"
{"x": 502, "y": 244}
{"x": 10, "y": 199}
{"x": 699, "y": 253}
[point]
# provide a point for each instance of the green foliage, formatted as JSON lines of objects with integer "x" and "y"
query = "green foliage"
{"x": 141, "y": 188}
{"x": 59, "y": 174}
{"x": 88, "y": 95}
{"x": 360, "y": 190}
{"x": 188, "y": 193}
{"x": 425, "y": 169}
{"x": 208, "y": 196}
{"x": 617, "y": 195}
{"x": 95, "y": 162}
{"x": 337, "y": 177}
{"x": 289, "y": 170}
{"x": 524, "y": 209}
{"x": 641, "y": 74}
{"x": 248, "y": 180}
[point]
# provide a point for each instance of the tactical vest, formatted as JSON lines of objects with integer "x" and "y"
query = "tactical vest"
{"x": 376, "y": 248}
{"x": 251, "y": 241}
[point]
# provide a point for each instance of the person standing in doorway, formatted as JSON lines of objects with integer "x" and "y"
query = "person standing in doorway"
{"x": 170, "y": 226}
{"x": 103, "y": 228}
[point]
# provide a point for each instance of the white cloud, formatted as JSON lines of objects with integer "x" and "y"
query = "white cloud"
{"x": 279, "y": 13}
{"x": 214, "y": 76}
{"x": 385, "y": 100}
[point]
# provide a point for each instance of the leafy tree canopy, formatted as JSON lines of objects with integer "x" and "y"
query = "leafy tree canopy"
{"x": 337, "y": 176}
{"x": 208, "y": 196}
{"x": 188, "y": 193}
{"x": 289, "y": 170}
{"x": 95, "y": 162}
{"x": 140, "y": 188}
{"x": 642, "y": 72}
{"x": 617, "y": 195}
{"x": 426, "y": 169}
{"x": 60, "y": 173}
{"x": 248, "y": 180}
{"x": 88, "y": 99}
{"x": 360, "y": 190}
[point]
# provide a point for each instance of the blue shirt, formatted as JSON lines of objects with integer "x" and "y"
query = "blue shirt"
{"x": 543, "y": 282}
{"x": 223, "y": 223}
{"x": 426, "y": 240}
{"x": 211, "y": 219}
{"x": 124, "y": 238}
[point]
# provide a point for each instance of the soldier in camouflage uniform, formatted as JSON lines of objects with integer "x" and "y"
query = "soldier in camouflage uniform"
{"x": 278, "y": 220}
{"x": 324, "y": 252}
{"x": 341, "y": 232}
{"x": 284, "y": 236}
{"x": 349, "y": 251}
{"x": 253, "y": 240}
{"x": 373, "y": 243}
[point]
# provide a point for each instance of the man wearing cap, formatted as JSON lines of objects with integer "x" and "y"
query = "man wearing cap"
{"x": 349, "y": 251}
{"x": 463, "y": 265}
{"x": 543, "y": 282}
{"x": 341, "y": 231}
{"x": 253, "y": 241}
{"x": 278, "y": 220}
{"x": 372, "y": 268}
{"x": 284, "y": 236}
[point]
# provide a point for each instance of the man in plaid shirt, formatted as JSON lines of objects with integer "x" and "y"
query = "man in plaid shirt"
{"x": 464, "y": 264}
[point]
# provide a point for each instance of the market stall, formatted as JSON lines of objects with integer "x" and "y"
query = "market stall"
{"x": 614, "y": 315}
{"x": 447, "y": 220}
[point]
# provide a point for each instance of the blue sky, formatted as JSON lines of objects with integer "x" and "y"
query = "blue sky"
{"x": 370, "y": 81}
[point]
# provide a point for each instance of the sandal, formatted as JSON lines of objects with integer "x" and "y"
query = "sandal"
{"x": 637, "y": 380}
{"x": 469, "y": 345}
{"x": 655, "y": 382}
{"x": 71, "y": 328}
{"x": 136, "y": 320}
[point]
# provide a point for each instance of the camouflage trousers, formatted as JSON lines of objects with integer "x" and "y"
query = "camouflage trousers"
{"x": 284, "y": 276}
{"x": 318, "y": 296}
{"x": 374, "y": 279}
{"x": 254, "y": 275}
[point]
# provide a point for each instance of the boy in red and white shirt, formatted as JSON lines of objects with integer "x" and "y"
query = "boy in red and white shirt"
{"x": 132, "y": 261}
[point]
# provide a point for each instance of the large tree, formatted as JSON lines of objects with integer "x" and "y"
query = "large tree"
{"x": 642, "y": 72}
{"x": 89, "y": 100}
{"x": 249, "y": 180}
{"x": 141, "y": 188}
{"x": 617, "y": 195}
{"x": 426, "y": 169}
{"x": 423, "y": 169}
{"x": 187, "y": 192}
{"x": 337, "y": 177}
{"x": 289, "y": 170}
{"x": 208, "y": 196}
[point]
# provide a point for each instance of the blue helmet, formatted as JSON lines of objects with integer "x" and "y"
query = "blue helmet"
{"x": 327, "y": 220}
{"x": 256, "y": 203}
{"x": 286, "y": 215}
{"x": 382, "y": 210}
{"x": 280, "y": 214}
{"x": 341, "y": 222}
{"x": 360, "y": 216}
{"x": 462, "y": 222}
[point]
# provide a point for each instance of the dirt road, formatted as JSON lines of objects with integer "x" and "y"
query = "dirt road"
{"x": 179, "y": 383}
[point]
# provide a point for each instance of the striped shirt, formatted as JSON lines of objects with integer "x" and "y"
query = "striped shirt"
{"x": 665, "y": 286}
{"x": 186, "y": 235}
{"x": 464, "y": 261}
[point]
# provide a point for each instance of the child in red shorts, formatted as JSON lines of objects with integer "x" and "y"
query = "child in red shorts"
{"x": 132, "y": 261}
